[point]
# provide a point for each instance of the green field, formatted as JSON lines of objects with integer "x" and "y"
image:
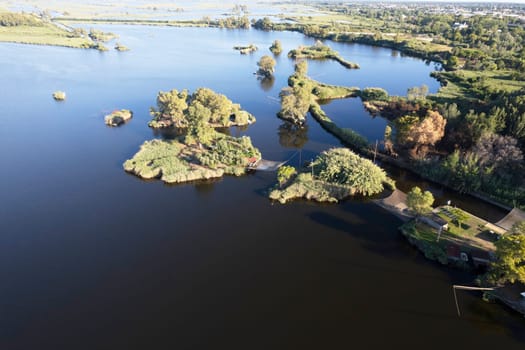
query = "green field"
{"x": 46, "y": 35}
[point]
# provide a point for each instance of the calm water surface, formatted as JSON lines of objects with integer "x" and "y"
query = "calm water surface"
{"x": 94, "y": 258}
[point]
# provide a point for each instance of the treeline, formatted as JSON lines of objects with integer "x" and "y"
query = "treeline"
{"x": 337, "y": 32}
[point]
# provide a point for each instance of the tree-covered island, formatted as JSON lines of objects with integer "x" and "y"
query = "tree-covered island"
{"x": 334, "y": 175}
{"x": 201, "y": 152}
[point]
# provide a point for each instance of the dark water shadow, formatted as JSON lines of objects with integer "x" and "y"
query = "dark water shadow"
{"x": 266, "y": 83}
{"x": 292, "y": 136}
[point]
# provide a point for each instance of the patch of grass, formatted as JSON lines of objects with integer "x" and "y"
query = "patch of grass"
{"x": 470, "y": 85}
{"x": 305, "y": 186}
{"x": 47, "y": 34}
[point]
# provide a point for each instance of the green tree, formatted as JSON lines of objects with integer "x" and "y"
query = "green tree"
{"x": 509, "y": 265}
{"x": 285, "y": 173}
{"x": 417, "y": 92}
{"x": 344, "y": 167}
{"x": 301, "y": 68}
{"x": 420, "y": 202}
{"x": 266, "y": 66}
{"x": 171, "y": 106}
{"x": 276, "y": 47}
{"x": 199, "y": 130}
{"x": 263, "y": 24}
{"x": 374, "y": 94}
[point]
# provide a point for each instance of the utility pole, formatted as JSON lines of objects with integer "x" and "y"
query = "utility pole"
{"x": 375, "y": 151}
{"x": 439, "y": 233}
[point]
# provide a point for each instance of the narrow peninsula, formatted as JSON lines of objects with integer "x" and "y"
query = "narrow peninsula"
{"x": 320, "y": 51}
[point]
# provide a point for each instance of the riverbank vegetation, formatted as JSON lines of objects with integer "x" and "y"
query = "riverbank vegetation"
{"x": 176, "y": 108}
{"x": 509, "y": 263}
{"x": 302, "y": 93}
{"x": 320, "y": 51}
{"x": 481, "y": 97}
{"x": 334, "y": 175}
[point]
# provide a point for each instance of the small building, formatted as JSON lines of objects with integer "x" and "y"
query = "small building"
{"x": 435, "y": 221}
{"x": 252, "y": 162}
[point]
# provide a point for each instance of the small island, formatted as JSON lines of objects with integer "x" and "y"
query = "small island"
{"x": 121, "y": 48}
{"x": 59, "y": 95}
{"x": 118, "y": 117}
{"x": 320, "y": 51}
{"x": 276, "y": 47}
{"x": 244, "y": 50}
{"x": 334, "y": 175}
{"x": 185, "y": 159}
{"x": 176, "y": 108}
{"x": 266, "y": 67}
{"x": 201, "y": 152}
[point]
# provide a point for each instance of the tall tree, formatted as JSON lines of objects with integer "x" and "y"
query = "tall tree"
{"x": 266, "y": 66}
{"x": 420, "y": 202}
{"x": 419, "y": 134}
{"x": 276, "y": 47}
{"x": 509, "y": 265}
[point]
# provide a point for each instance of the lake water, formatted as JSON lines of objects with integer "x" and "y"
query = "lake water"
{"x": 94, "y": 258}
